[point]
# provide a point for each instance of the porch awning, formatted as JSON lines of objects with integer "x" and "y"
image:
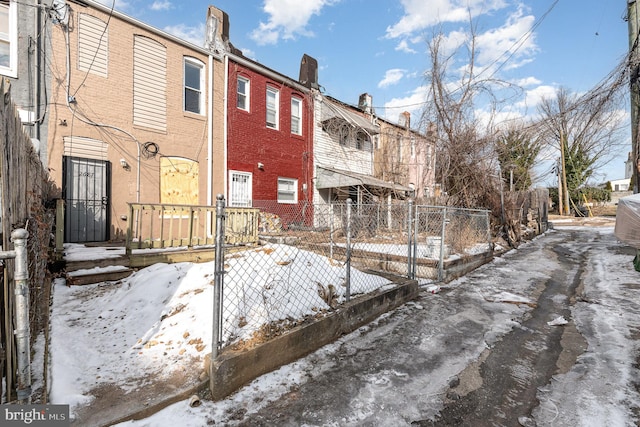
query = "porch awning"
{"x": 331, "y": 110}
{"x": 333, "y": 178}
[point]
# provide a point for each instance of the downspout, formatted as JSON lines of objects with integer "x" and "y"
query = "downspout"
{"x": 225, "y": 127}
{"x": 210, "y": 136}
{"x": 39, "y": 69}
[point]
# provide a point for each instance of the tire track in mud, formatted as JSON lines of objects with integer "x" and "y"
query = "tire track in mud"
{"x": 500, "y": 389}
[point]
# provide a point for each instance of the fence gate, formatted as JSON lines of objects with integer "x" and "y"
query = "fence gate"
{"x": 86, "y": 194}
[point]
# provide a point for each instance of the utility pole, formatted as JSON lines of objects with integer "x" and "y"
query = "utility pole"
{"x": 560, "y": 192}
{"x": 634, "y": 65}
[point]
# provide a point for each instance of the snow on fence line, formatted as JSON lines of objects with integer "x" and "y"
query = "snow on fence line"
{"x": 312, "y": 258}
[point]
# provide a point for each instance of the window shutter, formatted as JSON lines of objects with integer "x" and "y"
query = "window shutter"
{"x": 149, "y": 84}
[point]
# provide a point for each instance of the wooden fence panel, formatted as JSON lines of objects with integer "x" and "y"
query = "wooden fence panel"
{"x": 24, "y": 187}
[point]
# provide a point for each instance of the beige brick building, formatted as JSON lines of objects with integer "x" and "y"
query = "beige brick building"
{"x": 406, "y": 156}
{"x": 136, "y": 115}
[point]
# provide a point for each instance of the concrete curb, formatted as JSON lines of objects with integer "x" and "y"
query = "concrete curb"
{"x": 234, "y": 369}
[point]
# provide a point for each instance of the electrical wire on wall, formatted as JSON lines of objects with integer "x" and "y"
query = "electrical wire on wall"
{"x": 70, "y": 99}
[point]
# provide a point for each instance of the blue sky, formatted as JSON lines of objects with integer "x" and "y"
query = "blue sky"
{"x": 380, "y": 46}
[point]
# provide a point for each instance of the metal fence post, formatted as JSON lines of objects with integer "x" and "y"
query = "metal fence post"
{"x": 218, "y": 278}
{"x": 331, "y": 230}
{"x": 23, "y": 333}
{"x": 488, "y": 225}
{"x": 348, "y": 262}
{"x": 409, "y": 239}
{"x": 442, "y": 236}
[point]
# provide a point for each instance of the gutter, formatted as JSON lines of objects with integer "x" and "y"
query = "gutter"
{"x": 127, "y": 18}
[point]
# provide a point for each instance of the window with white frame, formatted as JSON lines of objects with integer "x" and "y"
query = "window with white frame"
{"x": 287, "y": 190}
{"x": 193, "y": 86}
{"x": 240, "y": 189}
{"x": 9, "y": 38}
{"x": 273, "y": 100}
{"x": 296, "y": 116}
{"x": 413, "y": 147}
{"x": 243, "y": 93}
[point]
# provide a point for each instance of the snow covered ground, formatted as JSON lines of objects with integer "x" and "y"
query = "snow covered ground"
{"x": 158, "y": 321}
{"x": 115, "y": 332}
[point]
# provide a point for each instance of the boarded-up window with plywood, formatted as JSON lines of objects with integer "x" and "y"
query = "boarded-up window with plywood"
{"x": 178, "y": 181}
{"x": 149, "y": 83}
{"x": 93, "y": 45}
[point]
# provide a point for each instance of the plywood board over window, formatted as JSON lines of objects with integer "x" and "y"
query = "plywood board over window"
{"x": 179, "y": 181}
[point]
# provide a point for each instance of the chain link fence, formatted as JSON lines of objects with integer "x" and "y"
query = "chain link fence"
{"x": 312, "y": 258}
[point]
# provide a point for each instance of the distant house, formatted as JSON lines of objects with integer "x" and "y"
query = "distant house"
{"x": 620, "y": 184}
{"x": 269, "y": 138}
{"x": 344, "y": 155}
{"x": 406, "y": 156}
{"x": 23, "y": 63}
{"x": 131, "y": 118}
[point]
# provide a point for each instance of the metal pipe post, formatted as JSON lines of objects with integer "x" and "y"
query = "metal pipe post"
{"x": 218, "y": 278}
{"x": 409, "y": 238}
{"x": 442, "y": 236}
{"x": 348, "y": 262}
{"x": 415, "y": 244}
{"x": 23, "y": 333}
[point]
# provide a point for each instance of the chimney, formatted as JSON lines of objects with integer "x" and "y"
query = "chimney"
{"x": 405, "y": 119}
{"x": 309, "y": 72}
{"x": 364, "y": 103}
{"x": 217, "y": 37}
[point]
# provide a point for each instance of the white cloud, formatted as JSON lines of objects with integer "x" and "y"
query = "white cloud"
{"x": 451, "y": 42}
{"x": 534, "y": 96}
{"x": 287, "y": 18}
{"x": 403, "y": 46}
{"x": 392, "y": 77}
{"x": 421, "y": 14}
{"x": 413, "y": 103}
{"x": 194, "y": 35}
{"x": 161, "y": 5}
{"x": 527, "y": 81}
{"x": 513, "y": 42}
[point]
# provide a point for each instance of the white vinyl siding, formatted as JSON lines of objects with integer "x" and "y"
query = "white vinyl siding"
{"x": 93, "y": 45}
{"x": 240, "y": 189}
{"x": 87, "y": 148}
{"x": 149, "y": 84}
{"x": 296, "y": 116}
{"x": 244, "y": 90}
{"x": 273, "y": 101}
{"x": 328, "y": 151}
{"x": 287, "y": 190}
{"x": 193, "y": 86}
{"x": 9, "y": 39}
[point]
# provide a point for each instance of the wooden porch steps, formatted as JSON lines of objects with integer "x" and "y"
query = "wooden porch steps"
{"x": 92, "y": 277}
{"x": 90, "y": 271}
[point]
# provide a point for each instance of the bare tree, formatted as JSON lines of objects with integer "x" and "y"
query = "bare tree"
{"x": 467, "y": 163}
{"x": 585, "y": 130}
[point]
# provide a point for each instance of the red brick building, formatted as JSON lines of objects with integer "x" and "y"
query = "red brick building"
{"x": 269, "y": 139}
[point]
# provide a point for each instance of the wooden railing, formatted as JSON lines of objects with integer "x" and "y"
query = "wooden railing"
{"x": 163, "y": 226}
